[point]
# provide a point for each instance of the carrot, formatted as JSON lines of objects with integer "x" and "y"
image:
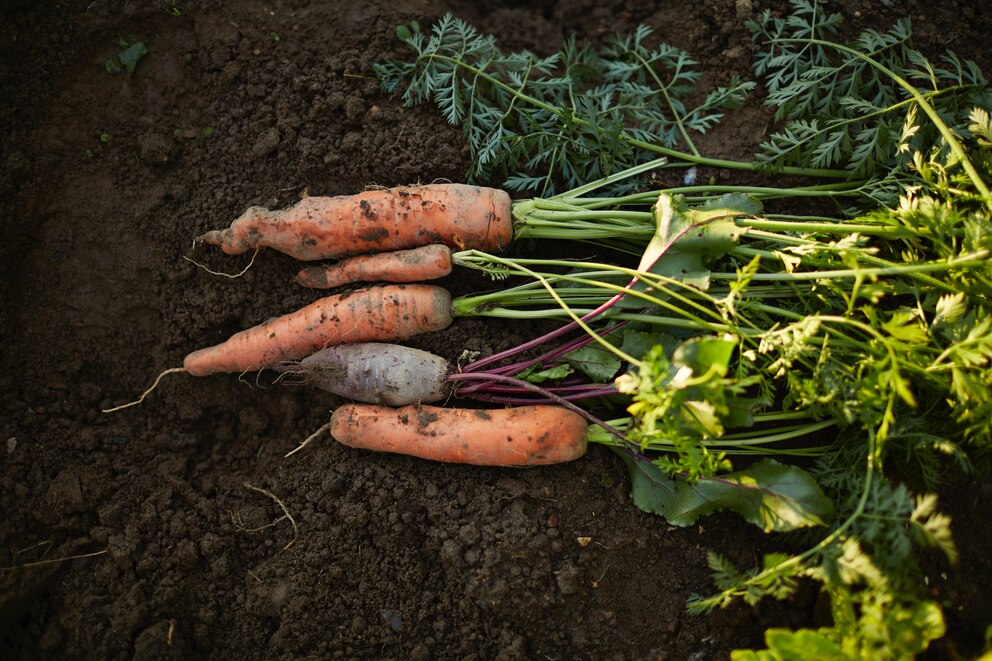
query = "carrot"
{"x": 521, "y": 436}
{"x": 376, "y": 373}
{"x": 389, "y": 312}
{"x": 457, "y": 215}
{"x": 415, "y": 265}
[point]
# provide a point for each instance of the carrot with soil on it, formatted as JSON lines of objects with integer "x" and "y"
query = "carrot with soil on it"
{"x": 388, "y": 312}
{"x": 520, "y": 436}
{"x": 415, "y": 265}
{"x": 457, "y": 215}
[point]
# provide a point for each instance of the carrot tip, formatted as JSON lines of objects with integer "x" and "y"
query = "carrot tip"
{"x": 312, "y": 277}
{"x": 208, "y": 238}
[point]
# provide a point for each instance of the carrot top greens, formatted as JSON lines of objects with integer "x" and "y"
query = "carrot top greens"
{"x": 572, "y": 117}
{"x": 544, "y": 124}
{"x": 854, "y": 345}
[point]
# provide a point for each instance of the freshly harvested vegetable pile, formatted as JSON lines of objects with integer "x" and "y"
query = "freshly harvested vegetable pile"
{"x": 853, "y": 342}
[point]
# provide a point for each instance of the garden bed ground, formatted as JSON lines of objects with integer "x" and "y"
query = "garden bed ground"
{"x": 105, "y": 179}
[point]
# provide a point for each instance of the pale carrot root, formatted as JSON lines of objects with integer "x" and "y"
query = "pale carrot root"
{"x": 520, "y": 436}
{"x": 457, "y": 215}
{"x": 415, "y": 265}
{"x": 376, "y": 373}
{"x": 373, "y": 314}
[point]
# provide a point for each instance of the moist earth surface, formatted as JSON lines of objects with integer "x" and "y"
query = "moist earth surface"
{"x": 182, "y": 529}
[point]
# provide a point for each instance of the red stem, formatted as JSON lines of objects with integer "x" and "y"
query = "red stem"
{"x": 557, "y": 399}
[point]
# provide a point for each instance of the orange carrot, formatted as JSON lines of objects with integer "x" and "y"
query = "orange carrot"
{"x": 415, "y": 265}
{"x": 456, "y": 215}
{"x": 389, "y": 312}
{"x": 521, "y": 436}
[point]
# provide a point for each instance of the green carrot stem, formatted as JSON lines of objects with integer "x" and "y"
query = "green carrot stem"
{"x": 972, "y": 260}
{"x": 738, "y": 165}
{"x": 838, "y": 228}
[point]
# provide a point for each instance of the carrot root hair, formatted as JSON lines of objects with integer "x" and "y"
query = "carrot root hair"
{"x": 226, "y": 275}
{"x": 309, "y": 438}
{"x": 289, "y": 369}
{"x": 285, "y": 512}
{"x": 171, "y": 370}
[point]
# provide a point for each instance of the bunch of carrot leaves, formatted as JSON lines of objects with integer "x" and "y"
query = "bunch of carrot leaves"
{"x": 843, "y": 356}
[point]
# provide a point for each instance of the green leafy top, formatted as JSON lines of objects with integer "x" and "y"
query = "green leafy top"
{"x": 575, "y": 116}
{"x": 841, "y": 111}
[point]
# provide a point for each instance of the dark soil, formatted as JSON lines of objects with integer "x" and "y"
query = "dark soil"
{"x": 104, "y": 180}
